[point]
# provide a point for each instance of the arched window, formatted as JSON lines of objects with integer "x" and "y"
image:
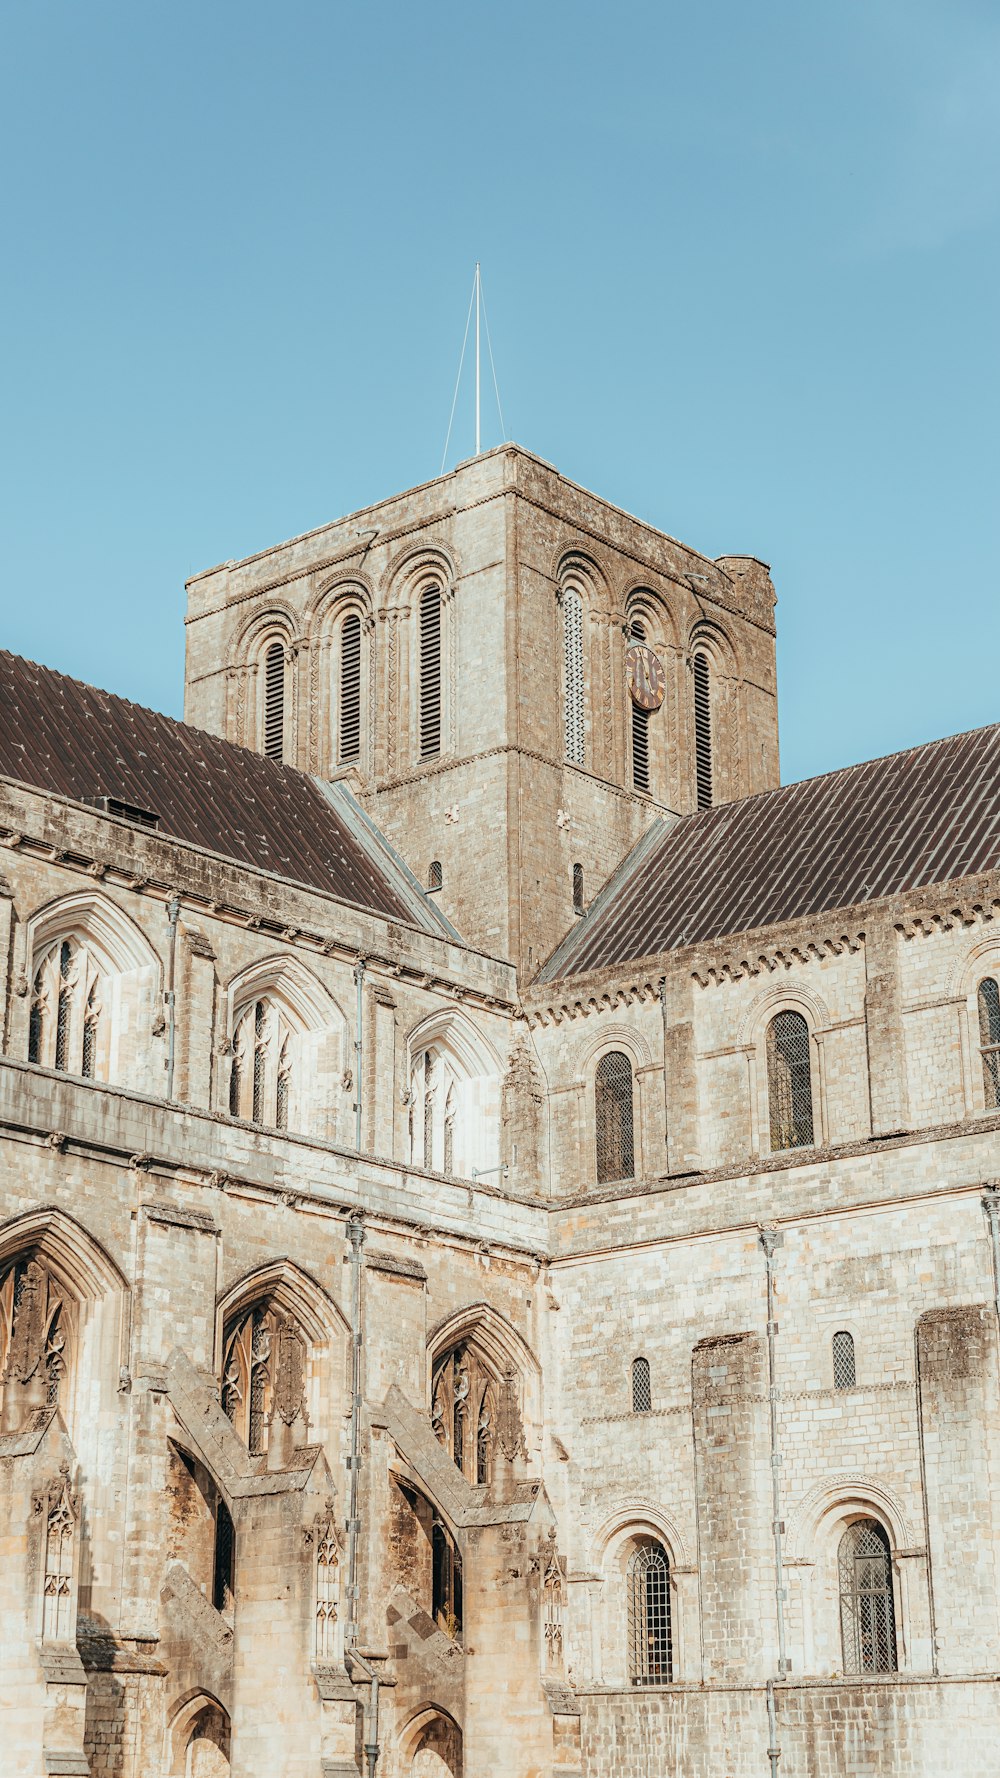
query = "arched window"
{"x": 430, "y": 672}
{"x": 260, "y": 1078}
{"x": 642, "y": 1393}
{"x": 264, "y": 1358}
{"x": 789, "y": 1081}
{"x": 640, "y": 724}
{"x": 613, "y": 1117}
{"x": 34, "y": 1330}
{"x": 989, "y": 1039}
{"x": 66, "y": 1029}
{"x": 446, "y": 1599}
{"x": 573, "y": 674}
{"x": 578, "y": 889}
{"x": 435, "y": 875}
{"x": 465, "y": 1403}
{"x": 274, "y": 701}
{"x": 867, "y": 1616}
{"x": 703, "y": 729}
{"x": 349, "y": 740}
{"x": 844, "y": 1375}
{"x": 648, "y": 1580}
{"x": 454, "y": 1107}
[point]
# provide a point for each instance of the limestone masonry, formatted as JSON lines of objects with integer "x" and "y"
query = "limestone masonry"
{"x": 500, "y": 1221}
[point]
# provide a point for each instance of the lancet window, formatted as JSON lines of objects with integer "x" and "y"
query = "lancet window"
{"x": 260, "y": 1080}
{"x": 789, "y": 1081}
{"x": 614, "y": 1117}
{"x": 988, "y": 1000}
{"x": 844, "y": 1373}
{"x": 452, "y": 1112}
{"x": 640, "y": 724}
{"x": 349, "y": 738}
{"x": 703, "y": 729}
{"x": 867, "y": 1615}
{"x": 430, "y": 672}
{"x": 572, "y": 606}
{"x": 274, "y": 701}
{"x": 67, "y": 1024}
{"x": 33, "y": 1338}
{"x": 446, "y": 1583}
{"x": 642, "y": 1391}
{"x": 649, "y": 1642}
{"x": 263, "y": 1378}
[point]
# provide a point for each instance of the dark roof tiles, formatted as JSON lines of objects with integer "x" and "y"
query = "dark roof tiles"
{"x": 59, "y": 735}
{"x": 929, "y": 815}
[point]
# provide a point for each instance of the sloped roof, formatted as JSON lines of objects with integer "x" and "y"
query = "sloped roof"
{"x": 928, "y": 815}
{"x": 59, "y": 735}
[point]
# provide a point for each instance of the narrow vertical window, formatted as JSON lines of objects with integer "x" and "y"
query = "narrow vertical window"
{"x": 578, "y": 888}
{"x": 36, "y": 1023}
{"x": 259, "y": 1060}
{"x": 224, "y": 1576}
{"x": 844, "y": 1375}
{"x": 435, "y": 875}
{"x": 90, "y": 1019}
{"x": 789, "y": 1081}
{"x": 613, "y": 1116}
{"x": 430, "y": 672}
{"x": 989, "y": 1040}
{"x": 282, "y": 1088}
{"x": 64, "y": 1006}
{"x": 867, "y": 1617}
{"x": 274, "y": 701}
{"x": 573, "y": 674}
{"x": 703, "y": 730}
{"x": 648, "y": 1579}
{"x": 640, "y": 726}
{"x": 350, "y": 688}
{"x": 642, "y": 1393}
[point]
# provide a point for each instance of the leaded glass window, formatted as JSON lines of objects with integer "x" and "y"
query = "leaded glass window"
{"x": 843, "y": 1361}
{"x": 648, "y": 1581}
{"x": 642, "y": 1393}
{"x": 789, "y": 1081}
{"x": 867, "y": 1617}
{"x": 613, "y": 1115}
{"x": 989, "y": 1039}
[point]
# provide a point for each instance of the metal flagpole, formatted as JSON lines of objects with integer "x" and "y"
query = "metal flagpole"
{"x": 477, "y": 356}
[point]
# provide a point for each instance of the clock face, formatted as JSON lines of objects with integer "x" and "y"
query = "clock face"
{"x": 647, "y": 682}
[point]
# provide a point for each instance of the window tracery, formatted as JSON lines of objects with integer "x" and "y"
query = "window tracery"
{"x": 988, "y": 1001}
{"x": 66, "y": 1028}
{"x": 453, "y": 1123}
{"x": 552, "y": 1607}
{"x": 327, "y": 1577}
{"x": 33, "y": 1332}
{"x": 789, "y": 1081}
{"x": 464, "y": 1411}
{"x": 260, "y": 1079}
{"x": 650, "y": 1660}
{"x": 867, "y": 1614}
{"x": 59, "y": 1506}
{"x": 263, "y": 1380}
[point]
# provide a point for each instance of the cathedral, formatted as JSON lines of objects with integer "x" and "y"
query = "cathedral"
{"x": 500, "y": 1214}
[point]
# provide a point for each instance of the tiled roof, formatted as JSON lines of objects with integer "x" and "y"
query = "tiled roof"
{"x": 928, "y": 815}
{"x": 59, "y": 735}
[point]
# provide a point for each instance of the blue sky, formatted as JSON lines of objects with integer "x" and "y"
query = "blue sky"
{"x": 742, "y": 272}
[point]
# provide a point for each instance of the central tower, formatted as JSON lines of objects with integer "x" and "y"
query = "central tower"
{"x": 514, "y": 677}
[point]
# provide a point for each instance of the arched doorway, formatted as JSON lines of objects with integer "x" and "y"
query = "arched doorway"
{"x": 431, "y": 1745}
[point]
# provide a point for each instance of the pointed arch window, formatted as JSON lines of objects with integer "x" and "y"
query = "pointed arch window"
{"x": 640, "y": 724}
{"x": 614, "y": 1117}
{"x": 789, "y": 1081}
{"x": 703, "y": 729}
{"x": 464, "y": 1411}
{"x": 988, "y": 1000}
{"x": 260, "y": 1080}
{"x": 349, "y": 739}
{"x": 649, "y": 1643}
{"x": 572, "y": 605}
{"x": 264, "y": 1376}
{"x": 453, "y": 1125}
{"x": 844, "y": 1372}
{"x": 66, "y": 1028}
{"x": 867, "y": 1614}
{"x": 274, "y": 701}
{"x": 430, "y": 672}
{"x": 642, "y": 1392}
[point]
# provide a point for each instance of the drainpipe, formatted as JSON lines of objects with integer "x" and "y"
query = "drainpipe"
{"x": 173, "y": 915}
{"x": 770, "y": 1240}
{"x": 359, "y": 977}
{"x": 356, "y": 1235}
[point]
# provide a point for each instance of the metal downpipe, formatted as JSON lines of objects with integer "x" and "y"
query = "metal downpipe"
{"x": 356, "y": 1236}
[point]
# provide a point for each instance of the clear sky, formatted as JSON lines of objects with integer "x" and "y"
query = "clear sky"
{"x": 741, "y": 266}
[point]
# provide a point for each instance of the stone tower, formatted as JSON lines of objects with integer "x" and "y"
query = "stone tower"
{"x": 458, "y": 655}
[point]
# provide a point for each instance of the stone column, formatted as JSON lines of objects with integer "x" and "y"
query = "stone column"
{"x": 960, "y": 1440}
{"x": 729, "y": 1404}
